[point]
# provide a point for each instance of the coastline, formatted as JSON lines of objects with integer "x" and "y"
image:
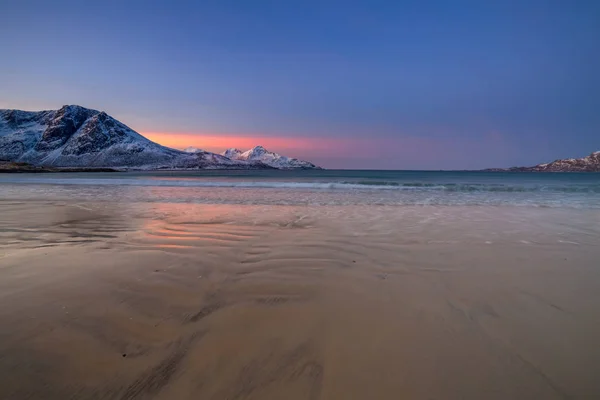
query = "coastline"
{"x": 17, "y": 167}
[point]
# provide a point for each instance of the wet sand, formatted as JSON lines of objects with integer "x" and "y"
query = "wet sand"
{"x": 182, "y": 301}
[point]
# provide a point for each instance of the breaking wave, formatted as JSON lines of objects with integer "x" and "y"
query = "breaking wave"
{"x": 339, "y": 185}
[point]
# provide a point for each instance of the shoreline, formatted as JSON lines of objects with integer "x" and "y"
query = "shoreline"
{"x": 20, "y": 167}
{"x": 267, "y": 302}
{"x": 10, "y": 167}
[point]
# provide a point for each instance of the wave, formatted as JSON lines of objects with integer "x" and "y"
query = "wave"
{"x": 334, "y": 185}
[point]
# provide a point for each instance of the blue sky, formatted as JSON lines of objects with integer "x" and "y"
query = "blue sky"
{"x": 354, "y": 84}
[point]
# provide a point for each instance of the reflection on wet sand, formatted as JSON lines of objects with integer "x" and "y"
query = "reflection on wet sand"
{"x": 183, "y": 301}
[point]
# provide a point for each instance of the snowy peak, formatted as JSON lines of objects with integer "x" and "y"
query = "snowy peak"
{"x": 232, "y": 153}
{"x": 192, "y": 150}
{"x": 78, "y": 131}
{"x": 14, "y": 119}
{"x": 257, "y": 152}
{"x": 75, "y": 136}
{"x": 262, "y": 155}
{"x": 589, "y": 163}
{"x": 65, "y": 122}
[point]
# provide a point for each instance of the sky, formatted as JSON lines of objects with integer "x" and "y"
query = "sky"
{"x": 373, "y": 84}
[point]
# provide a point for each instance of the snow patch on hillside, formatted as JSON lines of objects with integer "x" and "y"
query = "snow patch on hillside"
{"x": 260, "y": 154}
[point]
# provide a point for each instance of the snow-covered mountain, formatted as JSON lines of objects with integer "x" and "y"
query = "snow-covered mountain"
{"x": 260, "y": 154}
{"x": 74, "y": 136}
{"x": 232, "y": 153}
{"x": 590, "y": 163}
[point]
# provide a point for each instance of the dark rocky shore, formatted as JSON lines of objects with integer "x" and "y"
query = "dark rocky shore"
{"x": 18, "y": 167}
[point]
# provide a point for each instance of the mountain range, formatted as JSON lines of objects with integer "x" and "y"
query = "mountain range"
{"x": 589, "y": 163}
{"x": 74, "y": 136}
{"x": 260, "y": 154}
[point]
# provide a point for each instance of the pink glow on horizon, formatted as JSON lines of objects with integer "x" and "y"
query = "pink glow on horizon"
{"x": 407, "y": 152}
{"x": 219, "y": 143}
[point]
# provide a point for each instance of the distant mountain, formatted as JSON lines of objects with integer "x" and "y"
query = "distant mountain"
{"x": 590, "y": 163}
{"x": 260, "y": 154}
{"x": 74, "y": 136}
{"x": 232, "y": 153}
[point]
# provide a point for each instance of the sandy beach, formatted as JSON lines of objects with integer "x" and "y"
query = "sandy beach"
{"x": 299, "y": 200}
{"x": 191, "y": 301}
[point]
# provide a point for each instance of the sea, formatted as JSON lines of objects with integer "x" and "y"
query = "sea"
{"x": 315, "y": 187}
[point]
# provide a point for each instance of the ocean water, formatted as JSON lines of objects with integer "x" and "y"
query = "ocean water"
{"x": 328, "y": 187}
